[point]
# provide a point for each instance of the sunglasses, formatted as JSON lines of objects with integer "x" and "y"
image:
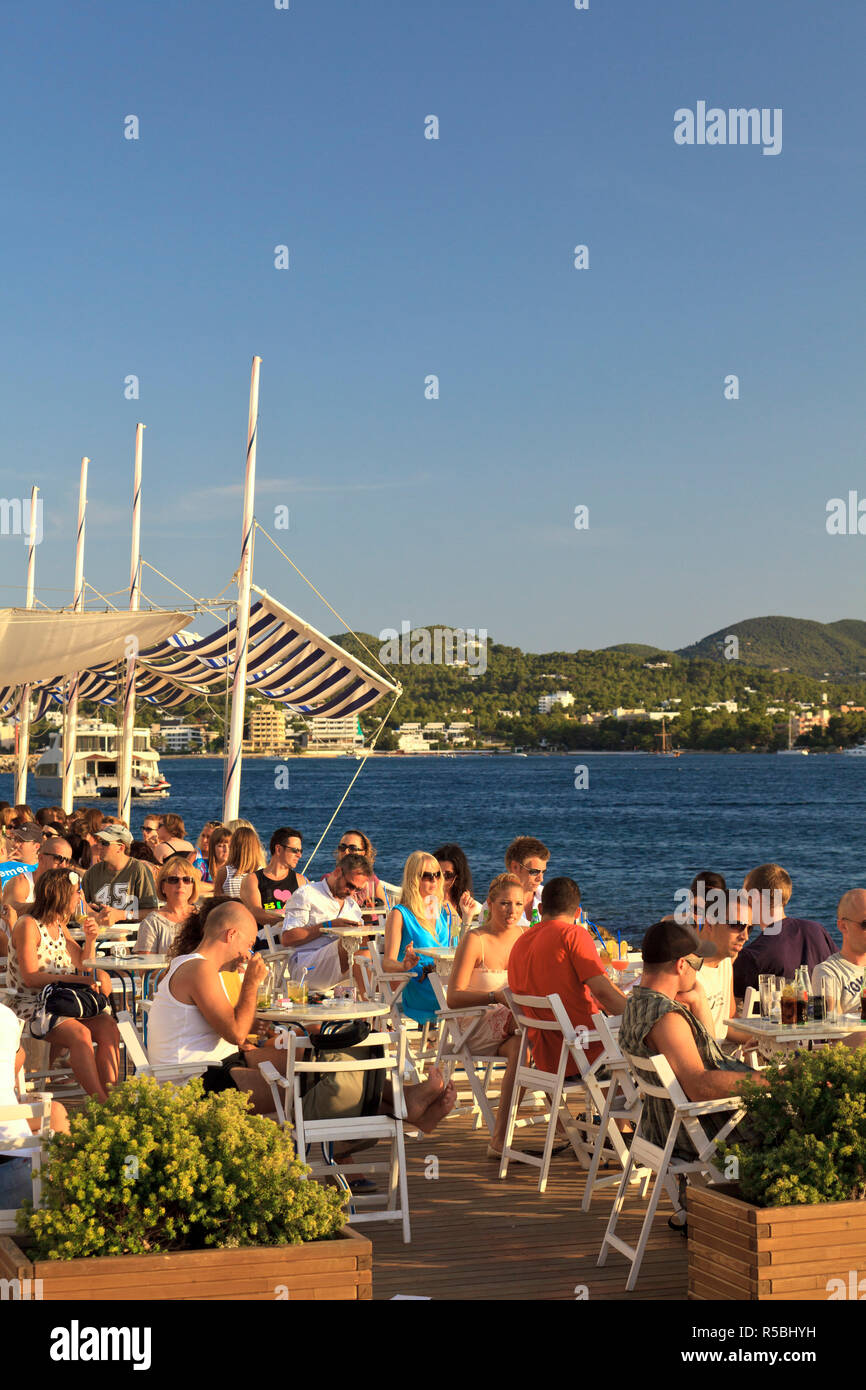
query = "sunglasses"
{"x": 61, "y": 858}
{"x": 533, "y": 873}
{"x": 428, "y": 877}
{"x": 290, "y": 849}
{"x": 350, "y": 849}
{"x": 173, "y": 878}
{"x": 448, "y": 874}
{"x": 357, "y": 888}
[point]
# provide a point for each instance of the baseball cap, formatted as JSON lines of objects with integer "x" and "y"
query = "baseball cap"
{"x": 666, "y": 941}
{"x": 27, "y": 832}
{"x": 114, "y": 834}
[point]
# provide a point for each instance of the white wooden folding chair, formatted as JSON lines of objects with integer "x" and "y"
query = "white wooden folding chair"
{"x": 390, "y": 985}
{"x": 622, "y": 1102}
{"x": 138, "y": 1058}
{"x": 308, "y": 1133}
{"x": 556, "y": 1085}
{"x": 454, "y": 1049}
{"x": 751, "y": 1003}
{"x": 654, "y": 1077}
{"x": 37, "y": 1107}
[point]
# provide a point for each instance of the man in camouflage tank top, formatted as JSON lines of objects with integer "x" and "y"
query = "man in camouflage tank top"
{"x": 657, "y": 1019}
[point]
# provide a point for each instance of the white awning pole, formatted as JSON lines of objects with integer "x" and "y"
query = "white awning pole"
{"x": 23, "y": 731}
{"x": 70, "y": 723}
{"x": 124, "y": 765}
{"x": 232, "y": 788}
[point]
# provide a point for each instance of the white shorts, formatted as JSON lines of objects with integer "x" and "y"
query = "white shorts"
{"x": 323, "y": 966}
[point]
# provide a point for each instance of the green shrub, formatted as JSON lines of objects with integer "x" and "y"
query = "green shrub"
{"x": 161, "y": 1168}
{"x": 804, "y": 1136}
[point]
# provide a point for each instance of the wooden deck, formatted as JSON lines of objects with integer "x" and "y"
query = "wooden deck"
{"x": 474, "y": 1237}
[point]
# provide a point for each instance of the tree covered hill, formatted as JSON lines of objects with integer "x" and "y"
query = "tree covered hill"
{"x": 514, "y": 679}
{"x": 837, "y": 650}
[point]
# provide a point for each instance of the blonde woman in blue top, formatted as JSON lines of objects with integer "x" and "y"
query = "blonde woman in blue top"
{"x": 420, "y": 920}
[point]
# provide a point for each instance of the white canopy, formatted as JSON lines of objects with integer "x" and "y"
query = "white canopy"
{"x": 36, "y": 644}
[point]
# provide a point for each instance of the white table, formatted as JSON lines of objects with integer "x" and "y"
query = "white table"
{"x": 779, "y": 1037}
{"x": 362, "y": 929}
{"x": 330, "y": 1011}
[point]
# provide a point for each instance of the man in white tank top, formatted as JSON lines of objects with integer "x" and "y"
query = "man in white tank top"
{"x": 191, "y": 1020}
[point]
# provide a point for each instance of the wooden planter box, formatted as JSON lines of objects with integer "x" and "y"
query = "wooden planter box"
{"x": 322, "y": 1269}
{"x": 738, "y": 1251}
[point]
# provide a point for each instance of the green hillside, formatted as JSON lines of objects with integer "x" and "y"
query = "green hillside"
{"x": 813, "y": 649}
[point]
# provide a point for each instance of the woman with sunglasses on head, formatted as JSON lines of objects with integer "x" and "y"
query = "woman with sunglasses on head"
{"x": 420, "y": 920}
{"x": 43, "y": 953}
{"x": 177, "y": 883}
{"x": 356, "y": 842}
{"x": 457, "y": 881}
{"x": 267, "y": 891}
{"x": 479, "y": 976}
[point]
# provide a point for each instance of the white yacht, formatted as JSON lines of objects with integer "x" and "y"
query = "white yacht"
{"x": 858, "y": 751}
{"x": 95, "y": 768}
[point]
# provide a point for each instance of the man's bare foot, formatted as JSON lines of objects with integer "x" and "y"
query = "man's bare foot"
{"x": 440, "y": 1106}
{"x": 419, "y": 1097}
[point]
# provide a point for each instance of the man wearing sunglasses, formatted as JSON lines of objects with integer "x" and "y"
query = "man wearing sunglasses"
{"x": 267, "y": 891}
{"x": 527, "y": 858}
{"x": 656, "y": 1019}
{"x": 333, "y": 901}
{"x": 39, "y": 855}
{"x": 846, "y": 969}
{"x": 713, "y": 1000}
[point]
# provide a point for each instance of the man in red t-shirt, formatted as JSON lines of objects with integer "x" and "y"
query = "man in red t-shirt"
{"x": 557, "y": 956}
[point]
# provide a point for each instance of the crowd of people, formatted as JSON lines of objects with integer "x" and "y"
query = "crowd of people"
{"x": 212, "y": 907}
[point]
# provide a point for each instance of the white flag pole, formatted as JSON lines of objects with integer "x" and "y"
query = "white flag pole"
{"x": 70, "y": 723}
{"x": 23, "y": 731}
{"x": 232, "y": 787}
{"x": 124, "y": 764}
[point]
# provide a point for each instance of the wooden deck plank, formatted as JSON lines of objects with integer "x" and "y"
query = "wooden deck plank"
{"x": 474, "y": 1237}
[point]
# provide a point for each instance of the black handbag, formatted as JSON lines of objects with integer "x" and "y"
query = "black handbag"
{"x": 58, "y": 1001}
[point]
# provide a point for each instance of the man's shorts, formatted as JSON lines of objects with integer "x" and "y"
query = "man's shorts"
{"x": 336, "y": 1095}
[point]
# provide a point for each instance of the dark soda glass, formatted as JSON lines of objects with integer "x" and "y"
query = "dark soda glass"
{"x": 802, "y": 1010}
{"x": 818, "y": 1008}
{"x": 789, "y": 1012}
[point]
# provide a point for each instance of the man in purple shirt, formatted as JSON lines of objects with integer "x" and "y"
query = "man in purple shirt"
{"x": 784, "y": 943}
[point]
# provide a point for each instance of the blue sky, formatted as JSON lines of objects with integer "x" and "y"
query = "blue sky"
{"x": 411, "y": 257}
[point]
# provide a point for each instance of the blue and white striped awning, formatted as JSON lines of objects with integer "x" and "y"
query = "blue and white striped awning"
{"x": 289, "y": 661}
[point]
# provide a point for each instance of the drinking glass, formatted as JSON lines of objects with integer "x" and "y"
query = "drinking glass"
{"x": 767, "y": 988}
{"x": 296, "y": 987}
{"x": 830, "y": 991}
{"x": 352, "y": 944}
{"x": 789, "y": 1004}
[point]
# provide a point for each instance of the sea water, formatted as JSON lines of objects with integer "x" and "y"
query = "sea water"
{"x": 632, "y": 829}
